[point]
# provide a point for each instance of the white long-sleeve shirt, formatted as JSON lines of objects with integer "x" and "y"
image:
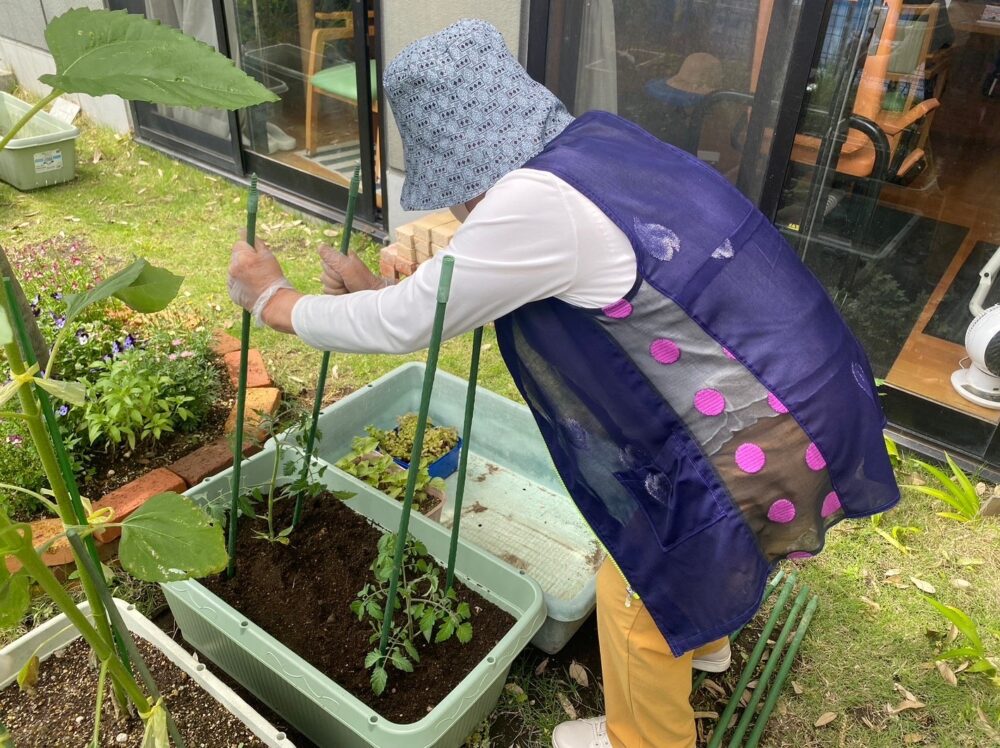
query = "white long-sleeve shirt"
{"x": 532, "y": 237}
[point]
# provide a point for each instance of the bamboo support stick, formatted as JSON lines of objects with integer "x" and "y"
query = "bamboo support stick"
{"x": 324, "y": 365}
{"x": 772, "y": 662}
{"x": 444, "y": 288}
{"x": 751, "y": 665}
{"x": 779, "y": 681}
{"x": 241, "y": 392}
{"x": 463, "y": 460}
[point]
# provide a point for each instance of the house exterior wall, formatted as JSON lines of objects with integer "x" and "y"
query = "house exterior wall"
{"x": 403, "y": 22}
{"x": 23, "y": 50}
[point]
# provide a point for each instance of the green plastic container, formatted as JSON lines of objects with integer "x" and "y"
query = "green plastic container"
{"x": 319, "y": 708}
{"x": 41, "y": 154}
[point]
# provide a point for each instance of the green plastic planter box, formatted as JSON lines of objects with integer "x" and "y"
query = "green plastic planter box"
{"x": 515, "y": 505}
{"x": 318, "y": 707}
{"x": 41, "y": 154}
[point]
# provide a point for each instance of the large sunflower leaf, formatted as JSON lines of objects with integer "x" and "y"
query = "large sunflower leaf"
{"x": 100, "y": 52}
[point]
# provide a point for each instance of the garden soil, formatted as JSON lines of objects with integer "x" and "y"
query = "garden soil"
{"x": 301, "y": 594}
{"x": 59, "y": 712}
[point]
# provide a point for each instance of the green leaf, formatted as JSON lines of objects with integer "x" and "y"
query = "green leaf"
{"x": 170, "y": 538}
{"x": 411, "y": 650}
{"x": 464, "y": 611}
{"x": 152, "y": 290}
{"x": 75, "y": 393}
{"x": 77, "y": 302}
{"x": 342, "y": 495}
{"x": 372, "y": 659}
{"x": 464, "y": 632}
{"x": 100, "y": 52}
{"x": 6, "y": 333}
{"x": 962, "y": 622}
{"x": 27, "y": 677}
{"x": 968, "y": 491}
{"x": 401, "y": 663}
{"x": 15, "y": 596}
{"x": 9, "y": 390}
{"x": 982, "y": 666}
{"x": 156, "y": 734}
{"x": 445, "y": 632}
{"x": 379, "y": 680}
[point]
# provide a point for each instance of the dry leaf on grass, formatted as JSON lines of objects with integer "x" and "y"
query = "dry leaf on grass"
{"x": 97, "y": 156}
{"x": 578, "y": 673}
{"x": 911, "y": 738}
{"x": 542, "y": 666}
{"x": 825, "y": 718}
{"x": 906, "y": 694}
{"x": 962, "y": 584}
{"x": 706, "y": 715}
{"x": 715, "y": 688}
{"x": 566, "y": 705}
{"x": 893, "y": 572}
{"x": 871, "y": 604}
{"x": 904, "y": 705}
{"x": 967, "y": 561}
{"x": 923, "y": 586}
{"x": 797, "y": 689}
{"x": 947, "y": 673}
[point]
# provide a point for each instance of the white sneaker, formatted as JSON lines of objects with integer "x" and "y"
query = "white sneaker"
{"x": 582, "y": 733}
{"x": 716, "y": 662}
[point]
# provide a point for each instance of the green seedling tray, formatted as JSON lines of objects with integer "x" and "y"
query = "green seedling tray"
{"x": 318, "y": 707}
{"x": 41, "y": 154}
{"x": 515, "y": 506}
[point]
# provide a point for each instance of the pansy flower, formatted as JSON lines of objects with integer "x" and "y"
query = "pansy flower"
{"x": 82, "y": 336}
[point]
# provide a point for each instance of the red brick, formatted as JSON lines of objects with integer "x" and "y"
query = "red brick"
{"x": 59, "y": 553}
{"x": 257, "y": 375}
{"x": 405, "y": 267}
{"x": 223, "y": 343}
{"x": 261, "y": 401}
{"x": 208, "y": 460}
{"x": 387, "y": 262}
{"x": 131, "y": 496}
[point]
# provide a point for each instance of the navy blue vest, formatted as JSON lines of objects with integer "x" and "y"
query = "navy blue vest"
{"x": 718, "y": 418}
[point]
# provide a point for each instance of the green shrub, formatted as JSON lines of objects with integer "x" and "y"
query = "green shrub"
{"x": 19, "y": 466}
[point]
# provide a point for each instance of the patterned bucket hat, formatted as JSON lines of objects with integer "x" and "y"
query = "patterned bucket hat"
{"x": 468, "y": 114}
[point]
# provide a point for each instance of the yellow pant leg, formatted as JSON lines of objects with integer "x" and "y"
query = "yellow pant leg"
{"x": 646, "y": 689}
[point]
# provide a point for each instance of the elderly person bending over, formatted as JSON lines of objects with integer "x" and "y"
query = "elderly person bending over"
{"x": 707, "y": 408}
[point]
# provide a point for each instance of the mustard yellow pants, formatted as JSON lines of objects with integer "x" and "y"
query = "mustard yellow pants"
{"x": 646, "y": 689}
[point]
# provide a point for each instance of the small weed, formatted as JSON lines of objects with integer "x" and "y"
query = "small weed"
{"x": 896, "y": 536}
{"x": 955, "y": 490}
{"x": 379, "y": 471}
{"x": 438, "y": 440}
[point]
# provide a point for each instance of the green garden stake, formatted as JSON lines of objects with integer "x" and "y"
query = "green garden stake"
{"x": 772, "y": 662}
{"x": 241, "y": 391}
{"x": 324, "y": 365}
{"x": 121, "y": 630}
{"x": 62, "y": 458}
{"x": 779, "y": 681}
{"x": 444, "y": 288}
{"x": 463, "y": 460}
{"x": 752, "y": 662}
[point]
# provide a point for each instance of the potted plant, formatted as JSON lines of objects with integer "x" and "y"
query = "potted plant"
{"x": 441, "y": 448}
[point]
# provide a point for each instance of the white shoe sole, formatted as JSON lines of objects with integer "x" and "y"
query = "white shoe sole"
{"x": 713, "y": 666}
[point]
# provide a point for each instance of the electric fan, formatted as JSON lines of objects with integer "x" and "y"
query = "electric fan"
{"x": 980, "y": 382}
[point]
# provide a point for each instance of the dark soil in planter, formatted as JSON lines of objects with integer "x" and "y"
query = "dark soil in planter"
{"x": 301, "y": 595}
{"x": 127, "y": 465}
{"x": 59, "y": 713}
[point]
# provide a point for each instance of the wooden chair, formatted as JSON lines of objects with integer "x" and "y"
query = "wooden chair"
{"x": 338, "y": 81}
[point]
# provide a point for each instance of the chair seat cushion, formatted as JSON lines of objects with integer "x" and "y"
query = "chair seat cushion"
{"x": 341, "y": 81}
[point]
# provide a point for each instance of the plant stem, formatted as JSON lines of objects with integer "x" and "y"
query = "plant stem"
{"x": 18, "y": 299}
{"x": 324, "y": 364}
{"x": 105, "y": 652}
{"x": 271, "y": 490}
{"x": 33, "y": 494}
{"x": 241, "y": 392}
{"x": 55, "y": 93}
{"x": 96, "y": 741}
{"x": 463, "y": 460}
{"x": 444, "y": 288}
{"x": 55, "y": 462}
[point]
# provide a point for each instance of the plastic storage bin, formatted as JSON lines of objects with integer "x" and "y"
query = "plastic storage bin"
{"x": 57, "y": 633}
{"x": 515, "y": 504}
{"x": 318, "y": 707}
{"x": 41, "y": 154}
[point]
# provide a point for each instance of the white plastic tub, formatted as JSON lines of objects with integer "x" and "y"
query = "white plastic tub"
{"x": 57, "y": 633}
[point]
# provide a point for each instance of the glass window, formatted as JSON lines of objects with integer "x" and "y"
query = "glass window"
{"x": 706, "y": 76}
{"x": 891, "y": 196}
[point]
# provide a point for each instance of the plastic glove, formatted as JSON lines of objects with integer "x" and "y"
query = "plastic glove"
{"x": 346, "y": 274}
{"x": 254, "y": 277}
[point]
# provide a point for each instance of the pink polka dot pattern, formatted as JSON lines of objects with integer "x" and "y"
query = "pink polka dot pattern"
{"x": 799, "y": 555}
{"x": 781, "y": 511}
{"x": 709, "y": 402}
{"x": 831, "y": 504}
{"x": 728, "y": 354}
{"x": 776, "y": 405}
{"x": 619, "y": 310}
{"x": 814, "y": 459}
{"x": 665, "y": 351}
{"x": 750, "y": 458}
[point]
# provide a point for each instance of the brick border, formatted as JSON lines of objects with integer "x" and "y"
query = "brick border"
{"x": 263, "y": 399}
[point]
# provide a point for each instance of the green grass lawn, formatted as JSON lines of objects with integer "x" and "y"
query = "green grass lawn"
{"x": 873, "y": 634}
